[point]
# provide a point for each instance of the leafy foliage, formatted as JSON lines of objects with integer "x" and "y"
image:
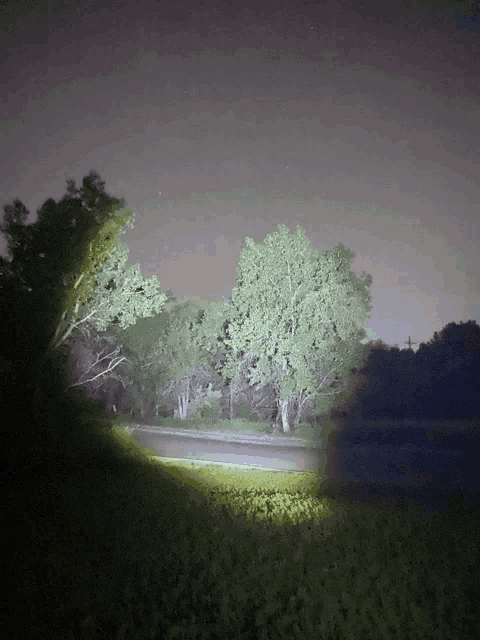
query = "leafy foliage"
{"x": 68, "y": 275}
{"x": 297, "y": 310}
{"x": 186, "y": 364}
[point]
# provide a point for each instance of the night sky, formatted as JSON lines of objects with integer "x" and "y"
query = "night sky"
{"x": 360, "y": 125}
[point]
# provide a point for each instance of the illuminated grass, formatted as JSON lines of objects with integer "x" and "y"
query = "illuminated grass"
{"x": 142, "y": 548}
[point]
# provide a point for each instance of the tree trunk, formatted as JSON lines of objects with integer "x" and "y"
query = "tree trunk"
{"x": 284, "y": 412}
{"x": 297, "y": 415}
{"x": 299, "y": 409}
{"x": 110, "y": 396}
{"x": 290, "y": 413}
{"x": 183, "y": 399}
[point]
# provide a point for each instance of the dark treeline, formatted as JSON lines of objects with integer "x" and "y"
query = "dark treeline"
{"x": 440, "y": 381}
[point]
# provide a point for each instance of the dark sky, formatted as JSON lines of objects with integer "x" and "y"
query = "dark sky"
{"x": 359, "y": 122}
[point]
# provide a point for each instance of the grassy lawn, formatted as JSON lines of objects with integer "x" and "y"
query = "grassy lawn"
{"x": 124, "y": 546}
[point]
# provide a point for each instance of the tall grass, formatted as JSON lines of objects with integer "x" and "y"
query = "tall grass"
{"x": 130, "y": 548}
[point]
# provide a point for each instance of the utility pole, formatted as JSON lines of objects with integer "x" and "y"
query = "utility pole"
{"x": 410, "y": 365}
{"x": 409, "y": 343}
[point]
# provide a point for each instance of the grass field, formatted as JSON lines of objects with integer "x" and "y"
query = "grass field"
{"x": 123, "y": 547}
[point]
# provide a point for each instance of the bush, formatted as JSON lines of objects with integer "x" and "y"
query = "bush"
{"x": 306, "y": 431}
{"x": 208, "y": 414}
{"x": 245, "y": 414}
{"x": 122, "y": 417}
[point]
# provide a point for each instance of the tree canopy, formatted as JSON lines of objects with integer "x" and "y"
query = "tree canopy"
{"x": 48, "y": 255}
{"x": 68, "y": 271}
{"x": 297, "y": 314}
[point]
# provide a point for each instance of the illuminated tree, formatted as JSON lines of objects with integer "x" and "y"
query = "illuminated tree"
{"x": 187, "y": 364}
{"x": 89, "y": 296}
{"x": 233, "y": 366}
{"x": 72, "y": 277}
{"x": 299, "y": 312}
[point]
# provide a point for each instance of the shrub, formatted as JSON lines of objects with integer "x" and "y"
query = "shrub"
{"x": 245, "y": 414}
{"x": 209, "y": 413}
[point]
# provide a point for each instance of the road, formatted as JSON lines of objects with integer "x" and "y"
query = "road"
{"x": 285, "y": 455}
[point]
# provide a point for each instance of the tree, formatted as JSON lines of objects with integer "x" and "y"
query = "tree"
{"x": 446, "y": 371}
{"x": 14, "y": 228}
{"x": 187, "y": 364}
{"x": 47, "y": 254}
{"x": 146, "y": 373}
{"x": 100, "y": 288}
{"x": 16, "y": 338}
{"x": 346, "y": 401}
{"x": 94, "y": 359}
{"x": 439, "y": 381}
{"x": 121, "y": 295}
{"x": 89, "y": 293}
{"x": 73, "y": 271}
{"x": 212, "y": 332}
{"x": 298, "y": 310}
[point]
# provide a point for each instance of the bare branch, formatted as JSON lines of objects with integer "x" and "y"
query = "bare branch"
{"x": 73, "y": 325}
{"x": 111, "y": 366}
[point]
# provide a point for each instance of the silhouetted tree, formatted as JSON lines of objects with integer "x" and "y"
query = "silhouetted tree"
{"x": 67, "y": 271}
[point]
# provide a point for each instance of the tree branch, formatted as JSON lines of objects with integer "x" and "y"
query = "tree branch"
{"x": 73, "y": 325}
{"x": 114, "y": 363}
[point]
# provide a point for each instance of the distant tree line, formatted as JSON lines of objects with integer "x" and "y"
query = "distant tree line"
{"x": 441, "y": 380}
